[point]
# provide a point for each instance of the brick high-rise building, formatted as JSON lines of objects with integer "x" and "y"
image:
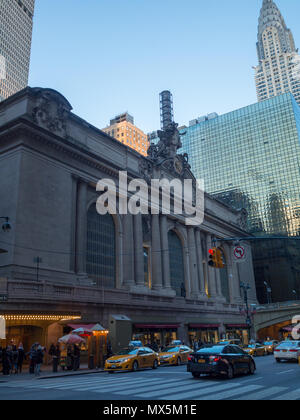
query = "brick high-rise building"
{"x": 16, "y": 22}
{"x": 122, "y": 128}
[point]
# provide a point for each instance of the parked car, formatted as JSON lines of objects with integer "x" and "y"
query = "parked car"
{"x": 287, "y": 350}
{"x": 255, "y": 350}
{"x": 234, "y": 341}
{"x": 270, "y": 346}
{"x": 174, "y": 355}
{"x": 229, "y": 360}
{"x": 132, "y": 359}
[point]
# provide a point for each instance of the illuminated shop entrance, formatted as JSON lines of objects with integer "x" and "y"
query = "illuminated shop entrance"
{"x": 31, "y": 328}
{"x": 162, "y": 335}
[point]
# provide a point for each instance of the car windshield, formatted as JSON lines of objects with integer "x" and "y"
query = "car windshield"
{"x": 268, "y": 343}
{"x": 127, "y": 351}
{"x": 213, "y": 349}
{"x": 251, "y": 346}
{"x": 288, "y": 344}
{"x": 171, "y": 349}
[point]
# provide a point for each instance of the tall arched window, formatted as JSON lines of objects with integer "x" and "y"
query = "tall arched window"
{"x": 176, "y": 263}
{"x": 224, "y": 279}
{"x": 101, "y": 248}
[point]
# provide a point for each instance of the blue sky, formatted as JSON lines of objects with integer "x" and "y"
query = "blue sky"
{"x": 110, "y": 56}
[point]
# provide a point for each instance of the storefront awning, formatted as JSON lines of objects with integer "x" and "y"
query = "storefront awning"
{"x": 156, "y": 326}
{"x": 206, "y": 326}
{"x": 289, "y": 328}
{"x": 244, "y": 326}
{"x": 84, "y": 326}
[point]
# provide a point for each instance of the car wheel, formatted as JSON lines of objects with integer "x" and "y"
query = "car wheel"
{"x": 178, "y": 361}
{"x": 155, "y": 364}
{"x": 196, "y": 374}
{"x": 230, "y": 372}
{"x": 251, "y": 368}
{"x": 135, "y": 366}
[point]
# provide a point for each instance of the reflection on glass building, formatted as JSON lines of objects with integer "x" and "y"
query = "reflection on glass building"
{"x": 250, "y": 158}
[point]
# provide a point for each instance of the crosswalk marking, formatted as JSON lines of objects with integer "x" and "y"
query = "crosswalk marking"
{"x": 115, "y": 388}
{"x": 87, "y": 386}
{"x": 156, "y": 391}
{"x": 289, "y": 396}
{"x": 231, "y": 393}
{"x": 265, "y": 393}
{"x": 152, "y": 387}
{"x": 161, "y": 388}
{"x": 188, "y": 395}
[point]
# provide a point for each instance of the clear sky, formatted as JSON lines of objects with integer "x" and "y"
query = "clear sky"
{"x": 110, "y": 56}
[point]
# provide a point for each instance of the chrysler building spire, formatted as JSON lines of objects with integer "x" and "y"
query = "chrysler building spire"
{"x": 277, "y": 72}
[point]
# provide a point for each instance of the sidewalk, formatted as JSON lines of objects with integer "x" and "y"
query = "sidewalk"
{"x": 47, "y": 373}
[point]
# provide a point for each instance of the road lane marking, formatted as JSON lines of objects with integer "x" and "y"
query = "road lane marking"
{"x": 262, "y": 394}
{"x": 228, "y": 394}
{"x": 286, "y": 371}
{"x": 289, "y": 396}
{"x": 199, "y": 392}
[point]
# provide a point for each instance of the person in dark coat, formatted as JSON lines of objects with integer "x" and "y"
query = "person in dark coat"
{"x": 5, "y": 362}
{"x": 32, "y": 358}
{"x": 21, "y": 357}
{"x": 14, "y": 360}
{"x": 38, "y": 357}
{"x": 76, "y": 355}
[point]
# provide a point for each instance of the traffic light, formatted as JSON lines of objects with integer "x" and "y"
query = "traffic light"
{"x": 215, "y": 258}
{"x": 220, "y": 262}
{"x": 212, "y": 257}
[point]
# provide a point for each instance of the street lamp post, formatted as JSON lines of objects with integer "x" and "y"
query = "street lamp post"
{"x": 245, "y": 289}
{"x": 269, "y": 292}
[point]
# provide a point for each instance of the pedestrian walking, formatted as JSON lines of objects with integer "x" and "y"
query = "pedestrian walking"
{"x": 14, "y": 360}
{"x": 5, "y": 362}
{"x": 21, "y": 357}
{"x": 76, "y": 356}
{"x": 38, "y": 358}
{"x": 32, "y": 357}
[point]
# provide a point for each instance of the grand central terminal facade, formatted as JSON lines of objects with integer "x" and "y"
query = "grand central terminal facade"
{"x": 142, "y": 276}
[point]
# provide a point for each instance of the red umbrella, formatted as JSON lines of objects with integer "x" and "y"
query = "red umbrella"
{"x": 71, "y": 339}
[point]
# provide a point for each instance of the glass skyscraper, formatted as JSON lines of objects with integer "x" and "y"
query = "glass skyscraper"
{"x": 250, "y": 158}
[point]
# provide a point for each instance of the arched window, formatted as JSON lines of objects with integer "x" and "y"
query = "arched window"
{"x": 176, "y": 263}
{"x": 101, "y": 248}
{"x": 224, "y": 279}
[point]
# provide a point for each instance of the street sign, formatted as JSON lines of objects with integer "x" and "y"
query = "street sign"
{"x": 239, "y": 253}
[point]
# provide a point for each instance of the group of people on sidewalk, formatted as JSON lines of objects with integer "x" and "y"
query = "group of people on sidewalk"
{"x": 65, "y": 357}
{"x": 12, "y": 359}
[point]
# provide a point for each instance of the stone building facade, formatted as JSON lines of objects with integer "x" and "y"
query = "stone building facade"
{"x": 143, "y": 276}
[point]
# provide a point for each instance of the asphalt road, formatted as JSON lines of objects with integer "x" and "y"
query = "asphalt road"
{"x": 272, "y": 381}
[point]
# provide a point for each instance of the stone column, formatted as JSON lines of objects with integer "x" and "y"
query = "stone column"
{"x": 156, "y": 254}
{"x": 200, "y": 262}
{"x": 138, "y": 250}
{"x": 128, "y": 248}
{"x": 193, "y": 261}
{"x": 81, "y": 227}
{"x": 165, "y": 252}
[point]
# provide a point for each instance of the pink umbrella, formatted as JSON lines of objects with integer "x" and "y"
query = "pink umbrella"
{"x": 71, "y": 339}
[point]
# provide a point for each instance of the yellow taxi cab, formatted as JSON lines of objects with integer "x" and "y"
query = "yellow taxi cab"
{"x": 175, "y": 355}
{"x": 270, "y": 346}
{"x": 255, "y": 350}
{"x": 132, "y": 359}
